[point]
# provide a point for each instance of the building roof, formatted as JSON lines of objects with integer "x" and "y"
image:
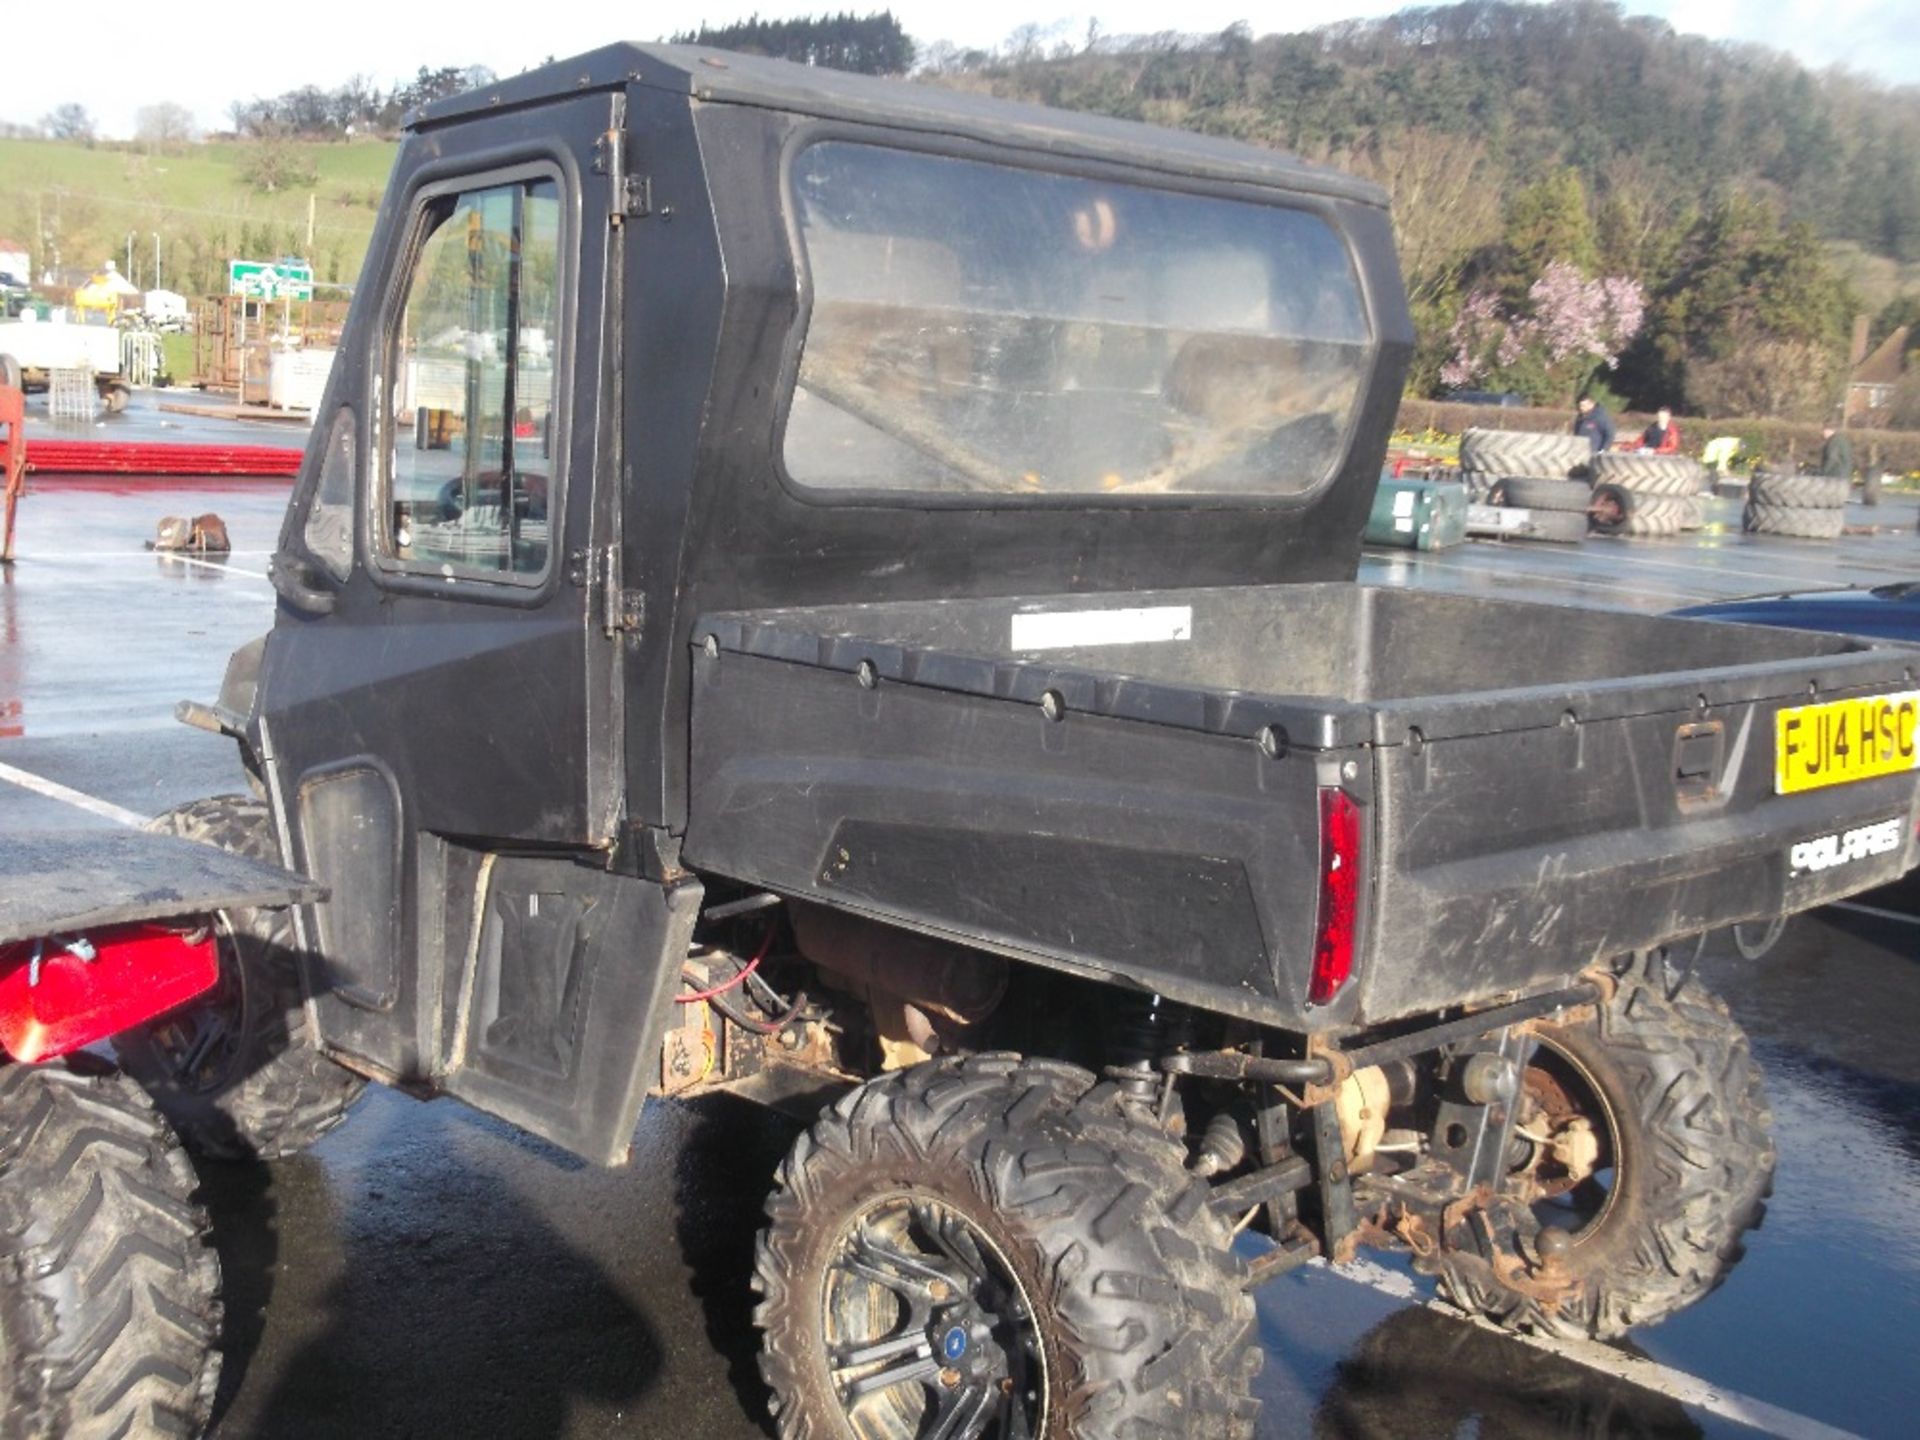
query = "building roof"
{"x": 1885, "y": 365}
{"x": 722, "y": 77}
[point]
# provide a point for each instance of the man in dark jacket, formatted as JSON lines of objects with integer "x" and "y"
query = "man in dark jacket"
{"x": 1595, "y": 423}
{"x": 1836, "y": 454}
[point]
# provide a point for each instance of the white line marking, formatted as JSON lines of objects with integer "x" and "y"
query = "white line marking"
{"x": 1675, "y": 1385}
{"x": 1605, "y": 1360}
{"x": 1875, "y": 911}
{"x": 219, "y": 565}
{"x": 54, "y": 790}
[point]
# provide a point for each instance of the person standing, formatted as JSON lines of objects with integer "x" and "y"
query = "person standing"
{"x": 1836, "y": 451}
{"x": 1594, "y": 423}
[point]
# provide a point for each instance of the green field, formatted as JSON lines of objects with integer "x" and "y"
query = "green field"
{"x": 84, "y": 201}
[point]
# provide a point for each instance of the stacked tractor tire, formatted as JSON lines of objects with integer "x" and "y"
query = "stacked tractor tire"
{"x": 1806, "y": 507}
{"x": 1567, "y": 489}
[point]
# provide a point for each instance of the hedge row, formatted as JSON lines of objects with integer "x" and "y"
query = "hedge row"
{"x": 1897, "y": 451}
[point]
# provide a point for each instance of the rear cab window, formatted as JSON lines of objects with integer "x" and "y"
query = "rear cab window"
{"x": 981, "y": 329}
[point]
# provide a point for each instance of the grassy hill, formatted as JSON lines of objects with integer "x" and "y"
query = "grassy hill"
{"x": 203, "y": 200}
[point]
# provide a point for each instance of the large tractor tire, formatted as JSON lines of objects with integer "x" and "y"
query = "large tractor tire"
{"x": 1523, "y": 452}
{"x": 1645, "y": 1130}
{"x": 1801, "y": 492}
{"x": 1004, "y": 1247}
{"x": 1649, "y": 474}
{"x": 1795, "y": 521}
{"x": 1531, "y": 493}
{"x": 109, "y": 1291}
{"x": 239, "y": 1071}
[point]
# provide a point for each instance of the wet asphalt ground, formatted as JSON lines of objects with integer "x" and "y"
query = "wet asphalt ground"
{"x": 426, "y": 1271}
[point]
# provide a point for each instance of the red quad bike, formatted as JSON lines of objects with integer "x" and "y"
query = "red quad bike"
{"x": 109, "y": 1288}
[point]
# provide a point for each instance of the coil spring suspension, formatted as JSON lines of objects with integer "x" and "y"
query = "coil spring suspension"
{"x": 1139, "y": 1030}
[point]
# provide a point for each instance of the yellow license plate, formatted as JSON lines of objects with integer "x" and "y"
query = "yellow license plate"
{"x": 1839, "y": 741}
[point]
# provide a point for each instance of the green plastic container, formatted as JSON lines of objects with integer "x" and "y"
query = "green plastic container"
{"x": 1418, "y": 514}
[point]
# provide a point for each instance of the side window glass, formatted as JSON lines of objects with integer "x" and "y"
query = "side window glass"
{"x": 329, "y": 532}
{"x": 471, "y": 388}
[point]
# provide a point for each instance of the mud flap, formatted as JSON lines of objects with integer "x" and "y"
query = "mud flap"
{"x": 562, "y": 1002}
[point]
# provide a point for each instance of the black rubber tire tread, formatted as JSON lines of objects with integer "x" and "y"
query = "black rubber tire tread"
{"x": 1693, "y": 1174}
{"x": 1795, "y": 521}
{"x": 1530, "y": 492}
{"x": 1523, "y": 452}
{"x": 289, "y": 1094}
{"x": 1663, "y": 514}
{"x": 1152, "y": 1335}
{"x": 1801, "y": 492}
{"x": 1554, "y": 527}
{"x": 1649, "y": 474}
{"x": 110, "y": 1298}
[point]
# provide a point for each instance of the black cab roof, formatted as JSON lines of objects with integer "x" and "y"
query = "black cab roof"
{"x": 722, "y": 77}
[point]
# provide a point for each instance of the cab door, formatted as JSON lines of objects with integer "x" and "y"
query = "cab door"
{"x": 438, "y": 699}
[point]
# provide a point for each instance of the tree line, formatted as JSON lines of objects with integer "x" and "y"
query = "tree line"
{"x": 1513, "y": 136}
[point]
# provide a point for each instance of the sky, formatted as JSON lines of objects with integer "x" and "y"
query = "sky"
{"x": 122, "y": 56}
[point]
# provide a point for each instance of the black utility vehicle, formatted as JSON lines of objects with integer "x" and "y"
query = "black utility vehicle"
{"x": 844, "y": 592}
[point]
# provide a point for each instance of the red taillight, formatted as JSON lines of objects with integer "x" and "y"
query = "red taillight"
{"x": 1339, "y": 895}
{"x": 85, "y": 989}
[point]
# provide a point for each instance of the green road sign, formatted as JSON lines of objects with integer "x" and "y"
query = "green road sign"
{"x": 270, "y": 280}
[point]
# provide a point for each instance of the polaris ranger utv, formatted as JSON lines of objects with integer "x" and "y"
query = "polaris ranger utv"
{"x": 845, "y": 593}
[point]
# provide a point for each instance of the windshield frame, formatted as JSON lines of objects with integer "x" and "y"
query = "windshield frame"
{"x": 1323, "y": 208}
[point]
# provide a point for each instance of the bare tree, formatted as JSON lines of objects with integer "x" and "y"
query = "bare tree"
{"x": 165, "y": 125}
{"x": 1446, "y": 201}
{"x": 68, "y": 122}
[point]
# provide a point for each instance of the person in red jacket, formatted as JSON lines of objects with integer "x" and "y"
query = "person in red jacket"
{"x": 1663, "y": 436}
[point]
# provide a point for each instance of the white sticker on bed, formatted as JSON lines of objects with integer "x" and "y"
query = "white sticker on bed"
{"x": 1065, "y": 629}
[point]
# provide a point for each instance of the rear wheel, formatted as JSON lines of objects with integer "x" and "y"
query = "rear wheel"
{"x": 109, "y": 1303}
{"x": 1645, "y": 1144}
{"x": 239, "y": 1070}
{"x": 999, "y": 1247}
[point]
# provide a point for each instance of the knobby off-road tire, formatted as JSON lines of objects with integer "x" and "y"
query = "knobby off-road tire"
{"x": 1685, "y": 1139}
{"x": 1522, "y": 452}
{"x": 1802, "y": 492}
{"x": 1139, "y": 1326}
{"x": 1649, "y": 474}
{"x": 238, "y": 1071}
{"x": 109, "y": 1291}
{"x": 1532, "y": 493}
{"x": 1796, "y": 521}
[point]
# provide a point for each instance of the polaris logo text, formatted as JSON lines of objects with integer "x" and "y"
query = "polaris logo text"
{"x": 1827, "y": 851}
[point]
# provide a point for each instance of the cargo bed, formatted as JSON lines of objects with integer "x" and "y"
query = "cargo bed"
{"x": 1130, "y": 783}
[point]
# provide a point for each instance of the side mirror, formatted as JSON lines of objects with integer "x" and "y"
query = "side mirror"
{"x": 299, "y": 583}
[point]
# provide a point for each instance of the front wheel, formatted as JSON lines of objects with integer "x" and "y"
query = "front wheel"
{"x": 1643, "y": 1140}
{"x": 239, "y": 1071}
{"x": 998, "y": 1247}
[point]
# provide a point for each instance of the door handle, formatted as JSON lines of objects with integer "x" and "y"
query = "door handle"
{"x": 297, "y": 583}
